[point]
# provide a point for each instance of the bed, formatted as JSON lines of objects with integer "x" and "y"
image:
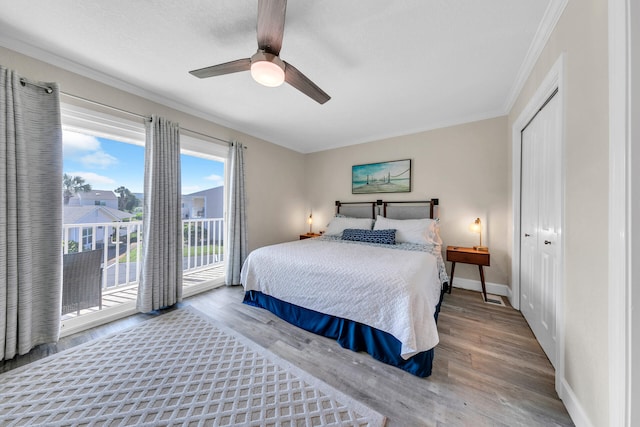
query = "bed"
{"x": 374, "y": 281}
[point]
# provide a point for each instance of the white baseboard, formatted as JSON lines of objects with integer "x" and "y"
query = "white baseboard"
{"x": 476, "y": 285}
{"x": 571, "y": 402}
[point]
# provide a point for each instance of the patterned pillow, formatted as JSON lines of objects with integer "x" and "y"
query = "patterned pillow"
{"x": 385, "y": 237}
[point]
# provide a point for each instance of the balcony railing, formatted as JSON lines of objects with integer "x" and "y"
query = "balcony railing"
{"x": 122, "y": 244}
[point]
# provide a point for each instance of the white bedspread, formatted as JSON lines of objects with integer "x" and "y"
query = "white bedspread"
{"x": 393, "y": 290}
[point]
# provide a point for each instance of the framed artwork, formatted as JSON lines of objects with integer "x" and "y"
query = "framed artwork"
{"x": 383, "y": 177}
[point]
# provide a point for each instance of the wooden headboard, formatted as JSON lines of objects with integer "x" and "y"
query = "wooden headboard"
{"x": 408, "y": 209}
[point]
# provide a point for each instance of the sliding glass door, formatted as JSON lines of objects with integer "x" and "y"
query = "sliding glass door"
{"x": 103, "y": 212}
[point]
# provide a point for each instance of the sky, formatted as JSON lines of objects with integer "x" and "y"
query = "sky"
{"x": 108, "y": 164}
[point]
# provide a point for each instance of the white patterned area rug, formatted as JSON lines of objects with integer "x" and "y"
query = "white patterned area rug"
{"x": 180, "y": 368}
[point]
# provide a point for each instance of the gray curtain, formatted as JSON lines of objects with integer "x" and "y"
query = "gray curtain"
{"x": 236, "y": 240}
{"x": 161, "y": 279}
{"x": 30, "y": 214}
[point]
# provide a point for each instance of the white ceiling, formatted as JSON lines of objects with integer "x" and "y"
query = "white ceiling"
{"x": 390, "y": 67}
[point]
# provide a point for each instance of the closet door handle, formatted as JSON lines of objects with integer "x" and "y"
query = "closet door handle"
{"x": 526, "y": 235}
{"x": 546, "y": 242}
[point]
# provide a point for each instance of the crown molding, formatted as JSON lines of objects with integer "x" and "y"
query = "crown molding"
{"x": 37, "y": 53}
{"x": 546, "y": 27}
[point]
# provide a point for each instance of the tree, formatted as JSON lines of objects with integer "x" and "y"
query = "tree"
{"x": 127, "y": 201}
{"x": 199, "y": 234}
{"x": 73, "y": 185}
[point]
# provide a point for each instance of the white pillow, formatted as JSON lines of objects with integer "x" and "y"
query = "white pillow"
{"x": 338, "y": 224}
{"x": 421, "y": 231}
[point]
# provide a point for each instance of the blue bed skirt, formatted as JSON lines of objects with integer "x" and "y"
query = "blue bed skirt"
{"x": 349, "y": 334}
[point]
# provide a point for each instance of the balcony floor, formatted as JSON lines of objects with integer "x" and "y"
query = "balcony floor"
{"x": 114, "y": 297}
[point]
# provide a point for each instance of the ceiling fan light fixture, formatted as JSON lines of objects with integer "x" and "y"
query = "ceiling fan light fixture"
{"x": 267, "y": 69}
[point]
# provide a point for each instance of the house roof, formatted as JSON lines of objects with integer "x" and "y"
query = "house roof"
{"x": 207, "y": 192}
{"x": 97, "y": 195}
{"x": 87, "y": 214}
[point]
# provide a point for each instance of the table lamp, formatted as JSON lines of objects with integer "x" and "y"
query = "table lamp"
{"x": 476, "y": 227}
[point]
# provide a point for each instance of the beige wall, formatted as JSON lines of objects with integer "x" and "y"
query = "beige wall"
{"x": 276, "y": 200}
{"x": 582, "y": 34}
{"x": 274, "y": 174}
{"x": 465, "y": 166}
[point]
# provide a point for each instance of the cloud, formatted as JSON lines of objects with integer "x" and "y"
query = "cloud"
{"x": 87, "y": 150}
{"x": 76, "y": 143}
{"x": 188, "y": 189}
{"x": 98, "y": 159}
{"x": 99, "y": 182}
{"x": 217, "y": 179}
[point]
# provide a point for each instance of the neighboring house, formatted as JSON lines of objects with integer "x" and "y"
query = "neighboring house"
{"x": 76, "y": 215}
{"x": 203, "y": 204}
{"x": 95, "y": 198}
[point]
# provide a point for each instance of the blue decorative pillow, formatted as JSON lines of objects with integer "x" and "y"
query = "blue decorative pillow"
{"x": 385, "y": 237}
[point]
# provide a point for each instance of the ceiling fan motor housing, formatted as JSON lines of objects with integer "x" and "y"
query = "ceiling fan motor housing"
{"x": 267, "y": 69}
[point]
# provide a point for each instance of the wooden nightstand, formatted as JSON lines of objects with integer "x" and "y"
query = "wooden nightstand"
{"x": 309, "y": 235}
{"x": 468, "y": 256}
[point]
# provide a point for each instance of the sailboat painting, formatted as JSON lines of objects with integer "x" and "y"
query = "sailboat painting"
{"x": 384, "y": 177}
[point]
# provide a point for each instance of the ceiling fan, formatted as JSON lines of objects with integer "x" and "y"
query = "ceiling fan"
{"x": 266, "y": 66}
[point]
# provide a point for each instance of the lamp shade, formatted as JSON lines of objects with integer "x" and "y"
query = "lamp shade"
{"x": 476, "y": 226}
{"x": 267, "y": 69}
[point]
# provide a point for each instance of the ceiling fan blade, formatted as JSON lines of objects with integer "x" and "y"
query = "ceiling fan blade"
{"x": 226, "y": 68}
{"x": 271, "y": 25}
{"x": 298, "y": 80}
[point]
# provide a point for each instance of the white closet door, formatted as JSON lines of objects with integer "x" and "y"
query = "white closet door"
{"x": 540, "y": 224}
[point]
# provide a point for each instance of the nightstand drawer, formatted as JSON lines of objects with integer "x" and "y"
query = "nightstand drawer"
{"x": 475, "y": 257}
{"x": 309, "y": 236}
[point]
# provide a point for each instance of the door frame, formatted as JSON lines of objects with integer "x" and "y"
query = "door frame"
{"x": 555, "y": 79}
{"x": 624, "y": 203}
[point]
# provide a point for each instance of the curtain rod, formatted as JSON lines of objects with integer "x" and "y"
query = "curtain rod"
{"x": 48, "y": 89}
{"x": 24, "y": 82}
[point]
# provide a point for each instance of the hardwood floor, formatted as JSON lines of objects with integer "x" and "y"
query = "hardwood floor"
{"x": 488, "y": 369}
